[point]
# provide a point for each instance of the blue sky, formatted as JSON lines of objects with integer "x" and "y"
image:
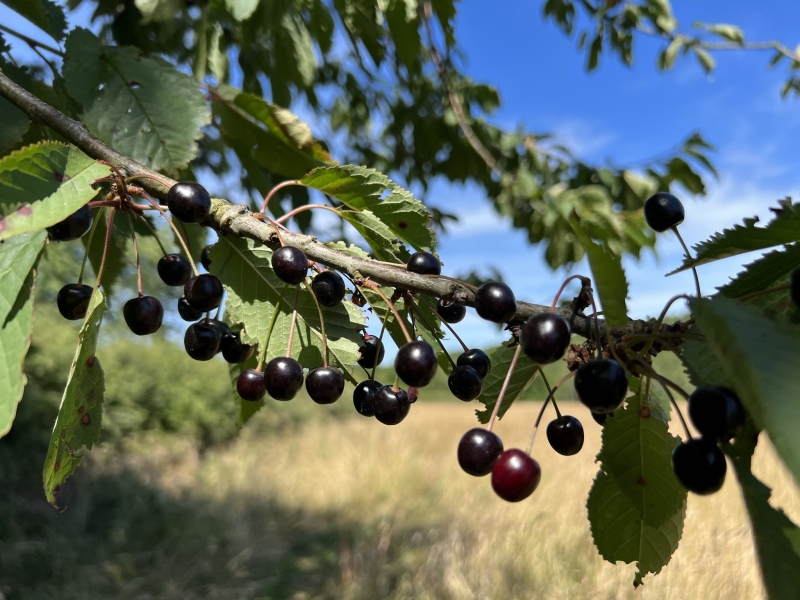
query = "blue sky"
{"x": 621, "y": 115}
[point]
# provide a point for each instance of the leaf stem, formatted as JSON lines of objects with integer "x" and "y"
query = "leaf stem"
{"x": 272, "y": 192}
{"x": 303, "y": 208}
{"x": 503, "y": 389}
{"x": 30, "y": 41}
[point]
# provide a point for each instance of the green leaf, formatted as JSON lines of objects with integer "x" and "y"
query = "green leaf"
{"x": 361, "y": 189}
{"x": 620, "y": 534}
{"x": 759, "y": 357}
{"x": 143, "y": 107}
{"x": 522, "y": 378}
{"x": 636, "y": 489}
{"x": 217, "y": 54}
{"x": 77, "y": 426}
{"x": 45, "y": 14}
{"x": 17, "y": 279}
{"x": 15, "y": 122}
{"x": 158, "y": 10}
{"x": 783, "y": 229}
{"x": 241, "y": 10}
{"x": 254, "y": 293}
{"x": 729, "y": 32}
{"x": 701, "y": 364}
{"x": 401, "y": 17}
{"x": 667, "y": 58}
{"x": 705, "y": 59}
{"x": 609, "y": 279}
{"x": 42, "y": 184}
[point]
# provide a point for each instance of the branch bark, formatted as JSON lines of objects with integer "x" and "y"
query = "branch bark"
{"x": 232, "y": 219}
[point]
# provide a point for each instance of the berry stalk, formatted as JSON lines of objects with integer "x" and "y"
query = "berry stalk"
{"x": 427, "y": 324}
{"x": 690, "y": 257}
{"x": 273, "y": 319}
{"x": 503, "y": 389}
{"x": 138, "y": 257}
{"x": 107, "y": 243}
{"x": 550, "y": 396}
{"x": 446, "y": 324}
{"x": 561, "y": 289}
{"x": 321, "y": 324}
{"x": 155, "y": 234}
{"x": 175, "y": 229}
{"x": 374, "y": 287}
{"x": 88, "y": 248}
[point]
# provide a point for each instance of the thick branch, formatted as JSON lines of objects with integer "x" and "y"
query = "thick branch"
{"x": 237, "y": 220}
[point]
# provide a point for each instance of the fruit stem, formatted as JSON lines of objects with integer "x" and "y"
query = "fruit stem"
{"x": 321, "y": 325}
{"x": 88, "y": 247}
{"x": 155, "y": 234}
{"x": 549, "y": 390}
{"x": 660, "y": 320}
{"x": 674, "y": 404}
{"x": 596, "y": 326}
{"x": 550, "y": 396}
{"x": 293, "y": 323}
{"x": 474, "y": 288}
{"x": 380, "y": 343}
{"x": 503, "y": 389}
{"x": 175, "y": 229}
{"x": 138, "y": 258}
{"x": 305, "y": 207}
{"x": 396, "y": 385}
{"x": 690, "y": 257}
{"x": 446, "y": 324}
{"x": 263, "y": 354}
{"x": 272, "y": 192}
{"x": 107, "y": 243}
{"x": 561, "y": 289}
{"x": 427, "y": 324}
{"x": 374, "y": 287}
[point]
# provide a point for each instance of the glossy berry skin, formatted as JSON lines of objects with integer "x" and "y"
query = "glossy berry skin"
{"x": 328, "y": 287}
{"x": 201, "y": 340}
{"x": 189, "y": 202}
{"x": 601, "y": 419}
{"x": 545, "y": 337}
{"x": 205, "y": 257}
{"x": 325, "y": 384}
{"x": 284, "y": 378}
{"x": 451, "y": 312}
{"x": 465, "y": 383}
{"x": 424, "y": 263}
{"x": 663, "y": 211}
{"x": 74, "y": 226}
{"x": 174, "y": 269}
{"x": 565, "y": 435}
{"x": 186, "y": 311}
{"x": 143, "y": 315}
{"x": 290, "y": 264}
{"x": 221, "y": 326}
{"x": 364, "y": 397}
{"x": 515, "y": 475}
{"x": 478, "y": 450}
{"x": 477, "y": 359}
{"x": 716, "y": 412}
{"x": 495, "y": 302}
{"x": 203, "y": 292}
{"x": 250, "y": 385}
{"x": 372, "y": 352}
{"x": 232, "y": 348}
{"x": 416, "y": 363}
{"x": 391, "y": 406}
{"x": 699, "y": 465}
{"x": 73, "y": 300}
{"x": 601, "y": 385}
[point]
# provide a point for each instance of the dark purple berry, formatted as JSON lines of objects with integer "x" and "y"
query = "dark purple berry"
{"x": 495, "y": 302}
{"x": 290, "y": 264}
{"x": 73, "y": 301}
{"x": 203, "y": 292}
{"x": 545, "y": 337}
{"x": 601, "y": 385}
{"x": 465, "y": 383}
{"x": 391, "y": 406}
{"x": 364, "y": 397}
{"x": 478, "y": 450}
{"x": 477, "y": 359}
{"x": 372, "y": 352}
{"x": 601, "y": 418}
{"x": 325, "y": 384}
{"x": 74, "y": 226}
{"x": 201, "y": 340}
{"x": 716, "y": 412}
{"x": 452, "y": 312}
{"x": 416, "y": 363}
{"x": 186, "y": 311}
{"x": 174, "y": 269}
{"x": 250, "y": 385}
{"x": 699, "y": 465}
{"x": 515, "y": 475}
{"x": 565, "y": 435}
{"x": 424, "y": 263}
{"x": 232, "y": 348}
{"x": 328, "y": 287}
{"x": 143, "y": 315}
{"x": 205, "y": 257}
{"x": 189, "y": 202}
{"x": 284, "y": 378}
{"x": 663, "y": 211}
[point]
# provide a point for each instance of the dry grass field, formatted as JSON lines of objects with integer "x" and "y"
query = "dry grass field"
{"x": 347, "y": 508}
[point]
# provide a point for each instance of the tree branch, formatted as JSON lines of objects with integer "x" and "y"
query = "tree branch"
{"x": 234, "y": 219}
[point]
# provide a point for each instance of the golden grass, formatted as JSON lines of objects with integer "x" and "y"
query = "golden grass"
{"x": 401, "y": 520}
